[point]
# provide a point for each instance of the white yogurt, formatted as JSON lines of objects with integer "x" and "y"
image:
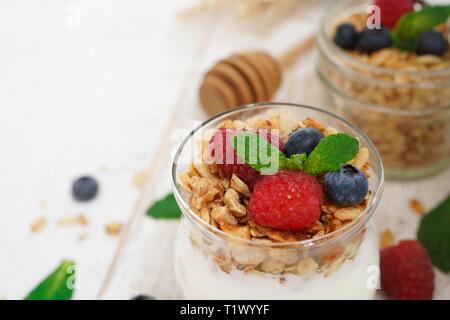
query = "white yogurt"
{"x": 199, "y": 277}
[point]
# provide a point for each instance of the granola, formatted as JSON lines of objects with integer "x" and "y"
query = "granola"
{"x": 222, "y": 203}
{"x": 410, "y": 94}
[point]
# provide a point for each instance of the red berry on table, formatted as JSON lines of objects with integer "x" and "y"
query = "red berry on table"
{"x": 288, "y": 200}
{"x": 225, "y": 157}
{"x": 392, "y": 10}
{"x": 406, "y": 271}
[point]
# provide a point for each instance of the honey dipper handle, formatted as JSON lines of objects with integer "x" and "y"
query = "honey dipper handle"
{"x": 292, "y": 54}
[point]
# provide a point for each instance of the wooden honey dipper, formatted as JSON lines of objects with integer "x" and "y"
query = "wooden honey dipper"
{"x": 245, "y": 78}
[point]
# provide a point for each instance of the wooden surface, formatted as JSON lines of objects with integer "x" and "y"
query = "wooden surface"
{"x": 111, "y": 96}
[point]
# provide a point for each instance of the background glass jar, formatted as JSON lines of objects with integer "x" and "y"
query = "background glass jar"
{"x": 212, "y": 264}
{"x": 403, "y": 108}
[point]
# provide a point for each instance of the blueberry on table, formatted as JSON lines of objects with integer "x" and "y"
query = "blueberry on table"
{"x": 346, "y": 36}
{"x": 432, "y": 42}
{"x": 143, "y": 297}
{"x": 346, "y": 187}
{"x": 84, "y": 188}
{"x": 302, "y": 141}
{"x": 371, "y": 40}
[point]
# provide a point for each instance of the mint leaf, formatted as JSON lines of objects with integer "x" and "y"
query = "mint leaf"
{"x": 295, "y": 162}
{"x": 434, "y": 235}
{"x": 165, "y": 208}
{"x": 258, "y": 153}
{"x": 411, "y": 25}
{"x": 331, "y": 153}
{"x": 59, "y": 285}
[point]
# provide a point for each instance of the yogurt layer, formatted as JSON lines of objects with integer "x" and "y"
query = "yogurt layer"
{"x": 199, "y": 277}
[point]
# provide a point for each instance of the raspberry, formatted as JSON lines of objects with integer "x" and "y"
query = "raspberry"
{"x": 392, "y": 10}
{"x": 288, "y": 200}
{"x": 406, "y": 271}
{"x": 226, "y": 159}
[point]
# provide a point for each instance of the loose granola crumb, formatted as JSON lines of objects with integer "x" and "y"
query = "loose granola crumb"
{"x": 417, "y": 206}
{"x": 79, "y": 219}
{"x": 83, "y": 236}
{"x": 139, "y": 179}
{"x": 38, "y": 225}
{"x": 386, "y": 238}
{"x": 113, "y": 228}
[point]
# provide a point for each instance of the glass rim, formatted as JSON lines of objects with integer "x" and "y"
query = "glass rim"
{"x": 220, "y": 235}
{"x": 334, "y": 49}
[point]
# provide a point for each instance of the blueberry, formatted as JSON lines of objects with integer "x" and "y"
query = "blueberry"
{"x": 143, "y": 297}
{"x": 346, "y": 36}
{"x": 371, "y": 40}
{"x": 302, "y": 141}
{"x": 346, "y": 187}
{"x": 432, "y": 42}
{"x": 85, "y": 188}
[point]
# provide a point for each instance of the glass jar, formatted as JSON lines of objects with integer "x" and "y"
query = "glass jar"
{"x": 212, "y": 264}
{"x": 403, "y": 108}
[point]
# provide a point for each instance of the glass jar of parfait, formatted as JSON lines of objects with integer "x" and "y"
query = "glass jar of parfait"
{"x": 399, "y": 97}
{"x": 223, "y": 252}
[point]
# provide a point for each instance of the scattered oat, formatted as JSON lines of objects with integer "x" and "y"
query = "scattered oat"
{"x": 113, "y": 228}
{"x": 83, "y": 236}
{"x": 417, "y": 206}
{"x": 386, "y": 238}
{"x": 79, "y": 219}
{"x": 139, "y": 179}
{"x": 38, "y": 225}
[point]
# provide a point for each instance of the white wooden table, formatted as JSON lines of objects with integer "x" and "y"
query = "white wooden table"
{"x": 104, "y": 88}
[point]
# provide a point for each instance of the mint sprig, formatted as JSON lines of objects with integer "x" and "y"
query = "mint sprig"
{"x": 59, "y": 285}
{"x": 408, "y": 29}
{"x": 434, "y": 235}
{"x": 165, "y": 208}
{"x": 329, "y": 155}
{"x": 259, "y": 154}
{"x": 295, "y": 162}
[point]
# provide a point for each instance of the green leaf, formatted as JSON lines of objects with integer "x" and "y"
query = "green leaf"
{"x": 411, "y": 25}
{"x": 59, "y": 285}
{"x": 331, "y": 153}
{"x": 259, "y": 154}
{"x": 434, "y": 235}
{"x": 295, "y": 162}
{"x": 165, "y": 208}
